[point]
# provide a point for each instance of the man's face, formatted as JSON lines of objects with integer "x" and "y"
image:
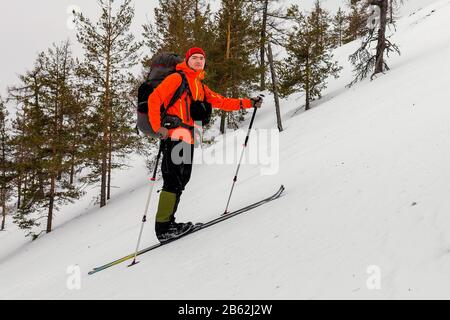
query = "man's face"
{"x": 197, "y": 62}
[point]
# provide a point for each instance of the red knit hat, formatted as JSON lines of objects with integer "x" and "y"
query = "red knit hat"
{"x": 193, "y": 51}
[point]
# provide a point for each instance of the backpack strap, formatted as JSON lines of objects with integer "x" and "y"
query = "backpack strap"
{"x": 177, "y": 95}
{"x": 184, "y": 86}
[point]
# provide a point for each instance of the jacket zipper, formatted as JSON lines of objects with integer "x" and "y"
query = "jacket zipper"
{"x": 196, "y": 89}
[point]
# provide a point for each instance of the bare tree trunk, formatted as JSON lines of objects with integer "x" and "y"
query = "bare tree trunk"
{"x": 106, "y": 122}
{"x": 72, "y": 153}
{"x": 227, "y": 56}
{"x": 3, "y": 221}
{"x": 307, "y": 84}
{"x": 381, "y": 46}
{"x": 262, "y": 46}
{"x": 55, "y": 164}
{"x": 104, "y": 164}
{"x": 222, "y": 121}
{"x": 108, "y": 194}
{"x": 307, "y": 105}
{"x": 72, "y": 167}
{"x": 3, "y": 187}
{"x": 274, "y": 86}
{"x": 3, "y": 204}
{"x": 19, "y": 191}
{"x": 227, "y": 53}
{"x": 51, "y": 204}
{"x": 41, "y": 183}
{"x": 72, "y": 164}
{"x": 25, "y": 189}
{"x": 391, "y": 11}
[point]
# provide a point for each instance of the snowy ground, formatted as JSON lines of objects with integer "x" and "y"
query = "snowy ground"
{"x": 366, "y": 180}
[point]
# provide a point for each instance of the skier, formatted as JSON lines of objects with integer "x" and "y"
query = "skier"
{"x": 192, "y": 106}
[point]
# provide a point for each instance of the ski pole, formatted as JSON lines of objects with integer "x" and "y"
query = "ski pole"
{"x": 144, "y": 218}
{"x": 242, "y": 154}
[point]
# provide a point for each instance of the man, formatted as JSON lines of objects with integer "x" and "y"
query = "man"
{"x": 175, "y": 174}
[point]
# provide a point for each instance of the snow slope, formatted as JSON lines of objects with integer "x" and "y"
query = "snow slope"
{"x": 366, "y": 181}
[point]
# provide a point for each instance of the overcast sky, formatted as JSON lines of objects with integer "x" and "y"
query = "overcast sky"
{"x": 28, "y": 27}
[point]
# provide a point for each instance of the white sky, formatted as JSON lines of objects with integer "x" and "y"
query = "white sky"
{"x": 29, "y": 27}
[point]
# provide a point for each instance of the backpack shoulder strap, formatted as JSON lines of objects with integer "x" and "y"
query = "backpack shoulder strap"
{"x": 184, "y": 86}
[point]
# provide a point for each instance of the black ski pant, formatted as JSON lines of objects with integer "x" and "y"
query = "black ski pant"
{"x": 176, "y": 167}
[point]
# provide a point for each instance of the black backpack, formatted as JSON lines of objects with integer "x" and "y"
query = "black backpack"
{"x": 163, "y": 65}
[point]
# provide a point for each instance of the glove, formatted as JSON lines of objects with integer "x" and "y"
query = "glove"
{"x": 163, "y": 133}
{"x": 257, "y": 102}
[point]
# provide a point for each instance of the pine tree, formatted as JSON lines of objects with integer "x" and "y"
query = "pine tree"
{"x": 6, "y": 164}
{"x": 263, "y": 41}
{"x": 110, "y": 52}
{"x": 43, "y": 136}
{"x": 275, "y": 86}
{"x": 179, "y": 25}
{"x": 356, "y": 21}
{"x": 269, "y": 17}
{"x": 339, "y": 24}
{"x": 58, "y": 106}
{"x": 363, "y": 59}
{"x": 235, "y": 42}
{"x": 309, "y": 60}
{"x": 78, "y": 116}
{"x": 29, "y": 145}
{"x": 272, "y": 32}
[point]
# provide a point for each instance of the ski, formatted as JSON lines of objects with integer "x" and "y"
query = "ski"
{"x": 197, "y": 227}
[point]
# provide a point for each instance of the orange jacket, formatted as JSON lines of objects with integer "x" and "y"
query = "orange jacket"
{"x": 181, "y": 108}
